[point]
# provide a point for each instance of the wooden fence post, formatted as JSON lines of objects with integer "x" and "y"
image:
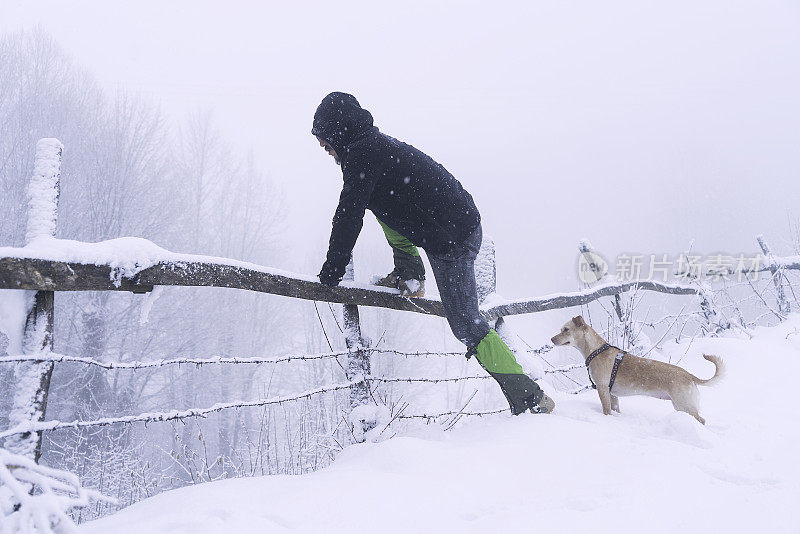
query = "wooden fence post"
{"x": 486, "y": 283}
{"x": 358, "y": 364}
{"x": 783, "y": 303}
{"x": 714, "y": 323}
{"x": 599, "y": 270}
{"x": 486, "y": 269}
{"x": 32, "y": 379}
{"x": 591, "y": 257}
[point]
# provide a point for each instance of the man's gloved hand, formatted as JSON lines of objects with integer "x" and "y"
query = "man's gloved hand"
{"x": 330, "y": 275}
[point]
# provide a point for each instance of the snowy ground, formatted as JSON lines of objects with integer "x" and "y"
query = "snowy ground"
{"x": 648, "y": 469}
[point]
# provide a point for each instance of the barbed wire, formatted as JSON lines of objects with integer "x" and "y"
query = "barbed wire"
{"x": 173, "y": 415}
{"x": 430, "y": 380}
{"x": 541, "y": 350}
{"x": 452, "y": 413}
{"x": 417, "y": 353}
{"x": 477, "y": 414}
{"x": 133, "y": 365}
{"x": 63, "y": 358}
{"x": 567, "y": 369}
{"x": 158, "y": 417}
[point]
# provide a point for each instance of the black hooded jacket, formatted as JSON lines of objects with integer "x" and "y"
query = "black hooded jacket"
{"x": 404, "y": 188}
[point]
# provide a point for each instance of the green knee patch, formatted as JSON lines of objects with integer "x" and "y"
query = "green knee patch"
{"x": 495, "y": 355}
{"x": 397, "y": 241}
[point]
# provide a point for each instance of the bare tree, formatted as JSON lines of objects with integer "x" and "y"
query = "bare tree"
{"x": 125, "y": 174}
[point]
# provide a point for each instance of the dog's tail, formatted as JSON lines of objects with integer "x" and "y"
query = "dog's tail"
{"x": 719, "y": 373}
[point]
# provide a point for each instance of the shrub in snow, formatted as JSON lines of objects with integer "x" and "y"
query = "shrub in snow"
{"x": 36, "y": 500}
{"x": 368, "y": 421}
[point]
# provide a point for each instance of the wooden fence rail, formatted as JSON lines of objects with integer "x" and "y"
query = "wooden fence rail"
{"x": 19, "y": 272}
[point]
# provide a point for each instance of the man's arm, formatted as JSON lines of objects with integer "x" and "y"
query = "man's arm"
{"x": 407, "y": 262}
{"x": 347, "y": 223}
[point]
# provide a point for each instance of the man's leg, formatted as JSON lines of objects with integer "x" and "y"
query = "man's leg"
{"x": 409, "y": 272}
{"x": 455, "y": 277}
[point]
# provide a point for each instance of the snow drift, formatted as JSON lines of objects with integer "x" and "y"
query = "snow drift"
{"x": 648, "y": 469}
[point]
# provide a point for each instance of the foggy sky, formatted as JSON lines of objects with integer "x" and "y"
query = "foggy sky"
{"x": 639, "y": 125}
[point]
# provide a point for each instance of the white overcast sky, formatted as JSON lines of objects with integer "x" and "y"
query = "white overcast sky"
{"x": 639, "y": 125}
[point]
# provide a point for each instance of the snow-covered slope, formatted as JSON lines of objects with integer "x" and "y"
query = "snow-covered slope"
{"x": 648, "y": 469}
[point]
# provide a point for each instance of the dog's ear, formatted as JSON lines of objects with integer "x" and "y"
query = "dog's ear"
{"x": 578, "y": 321}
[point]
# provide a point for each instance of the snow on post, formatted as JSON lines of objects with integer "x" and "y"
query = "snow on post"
{"x": 598, "y": 268}
{"x": 43, "y": 190}
{"x": 486, "y": 269}
{"x": 486, "y": 283}
{"x": 358, "y": 366}
{"x": 783, "y": 303}
{"x": 32, "y": 379}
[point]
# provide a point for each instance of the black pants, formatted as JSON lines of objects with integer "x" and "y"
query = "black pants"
{"x": 455, "y": 277}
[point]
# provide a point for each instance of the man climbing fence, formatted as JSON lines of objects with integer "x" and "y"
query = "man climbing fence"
{"x": 419, "y": 204}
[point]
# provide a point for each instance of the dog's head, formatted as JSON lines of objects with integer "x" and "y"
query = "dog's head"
{"x": 572, "y": 331}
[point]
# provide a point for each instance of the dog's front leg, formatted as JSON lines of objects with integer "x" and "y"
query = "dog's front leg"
{"x": 615, "y": 403}
{"x": 605, "y": 399}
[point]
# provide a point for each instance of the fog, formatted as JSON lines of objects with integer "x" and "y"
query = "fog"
{"x": 644, "y": 127}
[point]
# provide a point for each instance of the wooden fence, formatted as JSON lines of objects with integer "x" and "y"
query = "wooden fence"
{"x": 21, "y": 269}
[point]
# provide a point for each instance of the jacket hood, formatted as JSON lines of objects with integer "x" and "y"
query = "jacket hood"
{"x": 340, "y": 120}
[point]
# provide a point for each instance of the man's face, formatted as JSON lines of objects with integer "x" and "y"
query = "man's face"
{"x": 329, "y": 149}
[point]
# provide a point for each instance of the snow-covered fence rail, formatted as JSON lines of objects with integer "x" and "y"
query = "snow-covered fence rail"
{"x": 20, "y": 272}
{"x": 53, "y": 273}
{"x": 580, "y": 298}
{"x": 38, "y": 269}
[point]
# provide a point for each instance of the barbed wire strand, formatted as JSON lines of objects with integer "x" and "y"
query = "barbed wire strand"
{"x": 157, "y": 417}
{"x": 110, "y": 365}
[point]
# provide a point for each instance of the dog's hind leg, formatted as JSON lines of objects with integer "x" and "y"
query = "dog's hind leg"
{"x": 686, "y": 401}
{"x": 691, "y": 410}
{"x": 615, "y": 403}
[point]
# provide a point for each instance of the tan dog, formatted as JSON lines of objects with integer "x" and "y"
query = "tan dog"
{"x": 635, "y": 376}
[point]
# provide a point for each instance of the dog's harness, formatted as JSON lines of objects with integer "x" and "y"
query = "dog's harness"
{"x": 617, "y": 361}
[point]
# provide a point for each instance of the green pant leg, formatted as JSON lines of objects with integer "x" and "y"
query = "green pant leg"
{"x": 407, "y": 261}
{"x": 498, "y": 360}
